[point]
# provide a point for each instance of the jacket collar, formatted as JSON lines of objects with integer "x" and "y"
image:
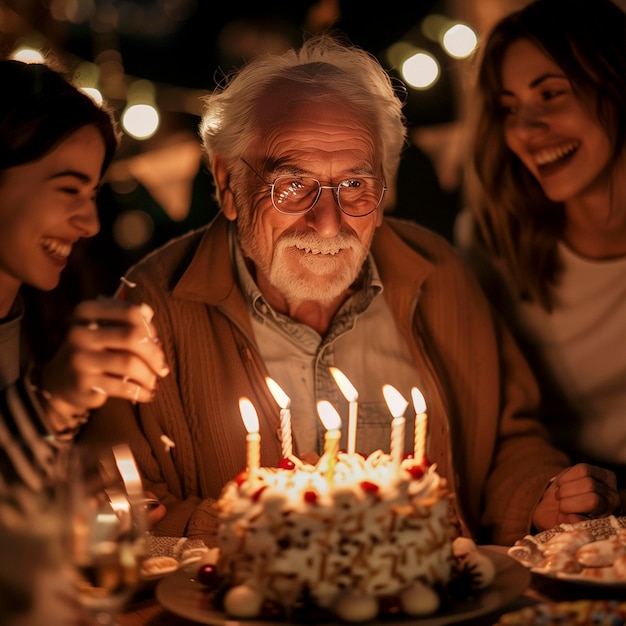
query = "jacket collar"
{"x": 399, "y": 264}
{"x": 209, "y": 277}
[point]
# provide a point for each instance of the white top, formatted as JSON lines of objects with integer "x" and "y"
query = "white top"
{"x": 583, "y": 342}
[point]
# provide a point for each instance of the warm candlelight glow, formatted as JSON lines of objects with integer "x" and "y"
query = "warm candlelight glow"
{"x": 421, "y": 420}
{"x": 332, "y": 423}
{"x": 329, "y": 416}
{"x": 345, "y": 386}
{"x": 419, "y": 404}
{"x": 282, "y": 399}
{"x": 395, "y": 401}
{"x": 351, "y": 395}
{"x": 128, "y": 470}
{"x": 249, "y": 415}
{"x": 284, "y": 402}
{"x": 397, "y": 406}
{"x": 253, "y": 438}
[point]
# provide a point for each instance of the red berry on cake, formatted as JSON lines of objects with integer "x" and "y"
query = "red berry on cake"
{"x": 257, "y": 494}
{"x": 310, "y": 497}
{"x": 369, "y": 487}
{"x": 416, "y": 472}
{"x": 207, "y": 575}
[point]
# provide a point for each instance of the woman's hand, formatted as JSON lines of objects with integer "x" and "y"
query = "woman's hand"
{"x": 111, "y": 350}
{"x": 577, "y": 493}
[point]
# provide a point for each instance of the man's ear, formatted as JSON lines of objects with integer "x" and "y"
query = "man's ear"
{"x": 225, "y": 195}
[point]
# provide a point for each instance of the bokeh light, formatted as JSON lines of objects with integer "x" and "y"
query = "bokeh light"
{"x": 28, "y": 55}
{"x": 434, "y": 25}
{"x": 421, "y": 70}
{"x": 133, "y": 229}
{"x": 399, "y": 52}
{"x": 93, "y": 93}
{"x": 459, "y": 41}
{"x": 140, "y": 121}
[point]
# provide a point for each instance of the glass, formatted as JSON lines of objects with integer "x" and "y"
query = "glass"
{"x": 106, "y": 530}
{"x": 357, "y": 196}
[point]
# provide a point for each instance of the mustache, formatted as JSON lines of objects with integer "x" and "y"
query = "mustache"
{"x": 311, "y": 242}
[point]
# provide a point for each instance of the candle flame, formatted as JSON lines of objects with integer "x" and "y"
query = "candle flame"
{"x": 329, "y": 416}
{"x": 282, "y": 399}
{"x": 128, "y": 470}
{"x": 345, "y": 386}
{"x": 419, "y": 404}
{"x": 248, "y": 415}
{"x": 395, "y": 401}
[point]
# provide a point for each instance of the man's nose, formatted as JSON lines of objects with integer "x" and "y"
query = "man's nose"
{"x": 325, "y": 217}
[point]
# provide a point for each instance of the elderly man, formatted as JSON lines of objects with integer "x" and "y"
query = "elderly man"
{"x": 300, "y": 271}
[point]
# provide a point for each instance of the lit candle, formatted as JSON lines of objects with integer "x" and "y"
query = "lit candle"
{"x": 253, "y": 438}
{"x": 131, "y": 478}
{"x": 284, "y": 402}
{"x": 397, "y": 406}
{"x": 421, "y": 421}
{"x": 351, "y": 395}
{"x": 332, "y": 423}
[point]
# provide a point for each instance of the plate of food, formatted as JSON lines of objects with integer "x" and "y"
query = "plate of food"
{"x": 592, "y": 552}
{"x": 182, "y": 594}
{"x": 575, "y": 613}
{"x": 165, "y": 555}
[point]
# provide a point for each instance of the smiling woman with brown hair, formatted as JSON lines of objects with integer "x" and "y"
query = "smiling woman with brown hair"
{"x": 550, "y": 159}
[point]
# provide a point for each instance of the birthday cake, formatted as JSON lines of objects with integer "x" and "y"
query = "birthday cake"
{"x": 352, "y": 537}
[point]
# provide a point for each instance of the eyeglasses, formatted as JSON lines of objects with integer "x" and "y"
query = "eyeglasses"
{"x": 296, "y": 195}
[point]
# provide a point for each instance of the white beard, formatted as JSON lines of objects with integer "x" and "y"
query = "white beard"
{"x": 317, "y": 256}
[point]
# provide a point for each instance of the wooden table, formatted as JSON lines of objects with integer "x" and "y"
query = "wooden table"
{"x": 145, "y": 611}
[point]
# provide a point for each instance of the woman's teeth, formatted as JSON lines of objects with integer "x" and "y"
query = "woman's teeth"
{"x": 56, "y": 247}
{"x": 551, "y": 155}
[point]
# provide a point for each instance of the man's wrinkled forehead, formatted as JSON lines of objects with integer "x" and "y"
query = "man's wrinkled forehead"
{"x": 286, "y": 96}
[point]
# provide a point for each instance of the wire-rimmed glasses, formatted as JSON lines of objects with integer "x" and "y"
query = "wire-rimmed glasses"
{"x": 356, "y": 196}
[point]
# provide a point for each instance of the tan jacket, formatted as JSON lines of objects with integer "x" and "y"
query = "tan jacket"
{"x": 481, "y": 394}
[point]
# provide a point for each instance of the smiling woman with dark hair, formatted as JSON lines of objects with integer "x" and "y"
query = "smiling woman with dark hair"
{"x": 55, "y": 145}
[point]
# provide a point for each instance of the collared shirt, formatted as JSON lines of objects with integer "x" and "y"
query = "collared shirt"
{"x": 298, "y": 359}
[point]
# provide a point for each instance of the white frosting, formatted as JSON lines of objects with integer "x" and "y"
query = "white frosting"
{"x": 373, "y": 529}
